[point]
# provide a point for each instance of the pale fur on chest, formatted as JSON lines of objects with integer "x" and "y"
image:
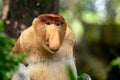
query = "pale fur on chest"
{"x": 51, "y": 70}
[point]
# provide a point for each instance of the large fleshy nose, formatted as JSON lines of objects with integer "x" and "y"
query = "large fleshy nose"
{"x": 54, "y": 41}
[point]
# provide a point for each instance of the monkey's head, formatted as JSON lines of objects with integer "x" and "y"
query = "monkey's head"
{"x": 50, "y": 30}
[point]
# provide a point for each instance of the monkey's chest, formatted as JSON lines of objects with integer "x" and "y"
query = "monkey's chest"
{"x": 49, "y": 71}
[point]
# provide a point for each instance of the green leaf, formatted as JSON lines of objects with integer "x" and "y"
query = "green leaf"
{"x": 71, "y": 74}
{"x": 116, "y": 62}
{"x": 8, "y": 63}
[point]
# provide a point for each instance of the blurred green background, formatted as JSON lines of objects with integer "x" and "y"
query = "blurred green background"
{"x": 95, "y": 23}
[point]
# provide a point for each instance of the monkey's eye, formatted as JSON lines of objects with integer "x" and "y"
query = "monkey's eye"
{"x": 58, "y": 24}
{"x": 48, "y": 23}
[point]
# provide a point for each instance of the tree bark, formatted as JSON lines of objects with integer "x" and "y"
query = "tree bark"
{"x": 18, "y": 16}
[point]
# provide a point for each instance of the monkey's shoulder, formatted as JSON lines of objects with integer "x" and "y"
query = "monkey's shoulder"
{"x": 27, "y": 39}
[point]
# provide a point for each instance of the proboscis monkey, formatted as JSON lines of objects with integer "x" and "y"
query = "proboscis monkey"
{"x": 49, "y": 44}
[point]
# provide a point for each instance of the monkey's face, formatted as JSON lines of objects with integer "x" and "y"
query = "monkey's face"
{"x": 51, "y": 30}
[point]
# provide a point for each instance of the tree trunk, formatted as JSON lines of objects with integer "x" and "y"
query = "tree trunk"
{"x": 17, "y": 15}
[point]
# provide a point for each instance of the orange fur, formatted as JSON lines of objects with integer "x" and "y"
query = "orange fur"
{"x": 49, "y": 48}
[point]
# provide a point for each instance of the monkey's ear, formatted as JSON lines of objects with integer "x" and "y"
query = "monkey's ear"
{"x": 17, "y": 48}
{"x": 35, "y": 21}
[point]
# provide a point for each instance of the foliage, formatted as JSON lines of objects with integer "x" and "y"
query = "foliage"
{"x": 71, "y": 74}
{"x": 80, "y": 77}
{"x": 116, "y": 62}
{"x": 8, "y": 63}
{"x": 100, "y": 20}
